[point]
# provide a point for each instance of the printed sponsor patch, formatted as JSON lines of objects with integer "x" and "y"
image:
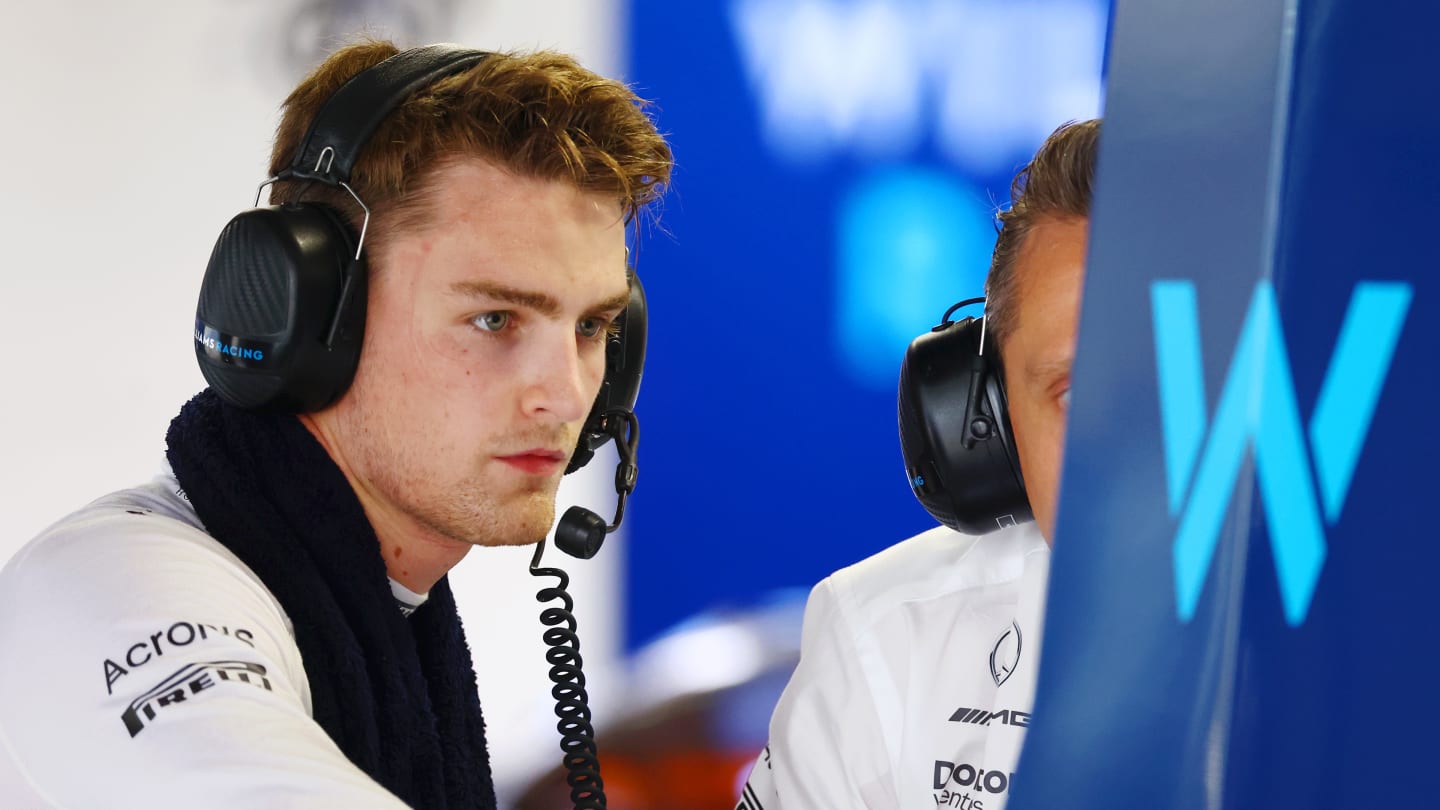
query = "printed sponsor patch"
{"x": 964, "y": 786}
{"x": 186, "y": 683}
{"x": 981, "y": 717}
{"x": 1006, "y": 655}
{"x": 154, "y": 646}
{"x": 748, "y": 798}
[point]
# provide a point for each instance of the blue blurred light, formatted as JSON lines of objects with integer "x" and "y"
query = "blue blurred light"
{"x": 984, "y": 80}
{"x": 912, "y": 241}
{"x": 846, "y": 155}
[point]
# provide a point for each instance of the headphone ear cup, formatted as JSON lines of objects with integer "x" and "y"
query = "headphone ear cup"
{"x": 625, "y": 352}
{"x": 998, "y": 406}
{"x": 282, "y": 310}
{"x": 959, "y": 456}
{"x": 624, "y": 366}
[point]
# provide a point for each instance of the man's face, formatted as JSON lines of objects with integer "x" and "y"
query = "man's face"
{"x": 483, "y": 352}
{"x": 1049, "y": 273}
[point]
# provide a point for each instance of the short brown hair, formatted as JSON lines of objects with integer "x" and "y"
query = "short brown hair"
{"x": 1055, "y": 184}
{"x": 537, "y": 114}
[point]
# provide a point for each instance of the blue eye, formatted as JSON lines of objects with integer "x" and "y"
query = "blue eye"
{"x": 491, "y": 321}
{"x": 590, "y": 327}
{"x": 1065, "y": 398}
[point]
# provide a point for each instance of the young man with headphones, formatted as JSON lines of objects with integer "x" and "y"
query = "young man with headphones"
{"x": 429, "y": 326}
{"x": 917, "y": 667}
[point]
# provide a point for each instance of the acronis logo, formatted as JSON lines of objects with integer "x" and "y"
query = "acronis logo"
{"x": 1258, "y": 413}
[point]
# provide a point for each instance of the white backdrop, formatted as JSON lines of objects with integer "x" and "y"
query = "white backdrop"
{"x": 132, "y": 132}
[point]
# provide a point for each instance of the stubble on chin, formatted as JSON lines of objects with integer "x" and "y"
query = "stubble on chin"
{"x": 478, "y": 508}
{"x": 478, "y": 518}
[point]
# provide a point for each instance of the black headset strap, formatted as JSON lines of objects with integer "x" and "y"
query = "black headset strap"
{"x": 351, "y": 115}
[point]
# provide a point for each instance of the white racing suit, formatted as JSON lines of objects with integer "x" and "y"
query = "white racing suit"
{"x": 146, "y": 666}
{"x": 915, "y": 682}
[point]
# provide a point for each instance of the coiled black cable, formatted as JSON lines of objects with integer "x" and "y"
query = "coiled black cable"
{"x": 577, "y": 735}
{"x": 580, "y": 533}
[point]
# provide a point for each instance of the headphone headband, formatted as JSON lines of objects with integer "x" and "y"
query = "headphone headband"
{"x": 343, "y": 126}
{"x": 281, "y": 316}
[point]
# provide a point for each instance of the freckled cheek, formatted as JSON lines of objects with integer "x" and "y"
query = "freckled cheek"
{"x": 447, "y": 355}
{"x": 424, "y": 370}
{"x": 466, "y": 375}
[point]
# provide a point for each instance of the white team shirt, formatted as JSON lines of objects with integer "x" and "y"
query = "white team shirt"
{"x": 146, "y": 666}
{"x": 915, "y": 681}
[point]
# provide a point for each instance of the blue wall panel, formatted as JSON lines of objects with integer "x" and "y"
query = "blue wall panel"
{"x": 1258, "y": 145}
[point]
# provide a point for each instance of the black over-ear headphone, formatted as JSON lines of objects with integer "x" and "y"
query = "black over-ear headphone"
{"x": 955, "y": 429}
{"x": 281, "y": 316}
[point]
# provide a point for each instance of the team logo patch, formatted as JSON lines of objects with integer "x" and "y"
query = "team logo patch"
{"x": 981, "y": 717}
{"x": 1256, "y": 432}
{"x": 1006, "y": 655}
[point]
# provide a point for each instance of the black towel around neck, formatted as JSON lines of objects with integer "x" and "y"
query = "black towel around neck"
{"x": 397, "y": 695}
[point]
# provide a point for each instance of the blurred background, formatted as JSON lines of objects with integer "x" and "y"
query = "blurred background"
{"x": 839, "y": 165}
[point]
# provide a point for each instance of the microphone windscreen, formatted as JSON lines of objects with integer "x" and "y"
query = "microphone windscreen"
{"x": 580, "y": 532}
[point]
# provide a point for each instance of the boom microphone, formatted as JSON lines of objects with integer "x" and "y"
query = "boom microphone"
{"x": 581, "y": 532}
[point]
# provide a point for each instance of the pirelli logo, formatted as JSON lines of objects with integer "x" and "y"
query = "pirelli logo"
{"x": 749, "y": 801}
{"x": 981, "y": 717}
{"x": 185, "y": 684}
